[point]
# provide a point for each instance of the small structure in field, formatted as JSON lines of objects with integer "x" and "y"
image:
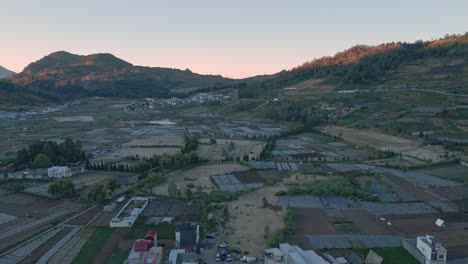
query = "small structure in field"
{"x": 59, "y": 172}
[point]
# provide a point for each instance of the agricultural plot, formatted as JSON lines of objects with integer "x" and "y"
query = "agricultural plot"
{"x": 225, "y": 149}
{"x": 248, "y": 219}
{"x": 310, "y": 146}
{"x": 71, "y": 248}
{"x": 455, "y": 172}
{"x": 381, "y": 141}
{"x": 244, "y": 180}
{"x": 198, "y": 175}
{"x": 271, "y": 165}
{"x": 168, "y": 208}
{"x": 343, "y": 203}
{"x": 33, "y": 214}
{"x": 18, "y": 254}
{"x": 90, "y": 179}
{"x": 352, "y": 241}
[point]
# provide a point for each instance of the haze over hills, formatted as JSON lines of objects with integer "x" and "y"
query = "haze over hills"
{"x": 439, "y": 64}
{"x": 5, "y": 72}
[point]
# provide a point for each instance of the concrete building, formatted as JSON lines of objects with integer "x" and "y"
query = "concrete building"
{"x": 432, "y": 250}
{"x": 426, "y": 249}
{"x": 59, "y": 172}
{"x": 289, "y": 254}
{"x": 130, "y": 212}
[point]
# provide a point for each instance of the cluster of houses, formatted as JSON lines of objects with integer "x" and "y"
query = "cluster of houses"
{"x": 147, "y": 250}
{"x": 425, "y": 249}
{"x": 223, "y": 96}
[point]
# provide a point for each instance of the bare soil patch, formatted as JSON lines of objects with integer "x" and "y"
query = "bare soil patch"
{"x": 248, "y": 218}
{"x": 199, "y": 175}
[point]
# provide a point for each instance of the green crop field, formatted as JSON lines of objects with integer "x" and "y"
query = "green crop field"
{"x": 93, "y": 246}
{"x": 391, "y": 255}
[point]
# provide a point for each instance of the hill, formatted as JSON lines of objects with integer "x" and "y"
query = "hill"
{"x": 439, "y": 64}
{"x": 5, "y": 72}
{"x": 69, "y": 76}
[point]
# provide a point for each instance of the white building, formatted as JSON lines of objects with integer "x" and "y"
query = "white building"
{"x": 59, "y": 172}
{"x": 130, "y": 212}
{"x": 432, "y": 250}
{"x": 292, "y": 255}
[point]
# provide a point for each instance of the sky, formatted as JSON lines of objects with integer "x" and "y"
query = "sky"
{"x": 234, "y": 38}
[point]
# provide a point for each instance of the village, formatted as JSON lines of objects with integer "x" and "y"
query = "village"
{"x": 157, "y": 182}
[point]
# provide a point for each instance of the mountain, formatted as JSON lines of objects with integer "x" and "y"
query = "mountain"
{"x": 439, "y": 64}
{"x": 5, "y": 72}
{"x": 68, "y": 76}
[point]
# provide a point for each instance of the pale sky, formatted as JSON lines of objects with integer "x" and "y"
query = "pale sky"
{"x": 234, "y": 38}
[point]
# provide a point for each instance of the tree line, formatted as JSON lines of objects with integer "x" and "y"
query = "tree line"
{"x": 45, "y": 153}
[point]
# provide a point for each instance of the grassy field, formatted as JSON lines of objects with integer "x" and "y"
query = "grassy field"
{"x": 118, "y": 257}
{"x": 391, "y": 255}
{"x": 139, "y": 229}
{"x": 93, "y": 246}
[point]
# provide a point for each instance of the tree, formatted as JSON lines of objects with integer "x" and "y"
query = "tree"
{"x": 41, "y": 161}
{"x": 97, "y": 193}
{"x": 112, "y": 185}
{"x": 265, "y": 202}
{"x": 62, "y": 189}
{"x": 188, "y": 194}
{"x": 172, "y": 189}
{"x": 266, "y": 231}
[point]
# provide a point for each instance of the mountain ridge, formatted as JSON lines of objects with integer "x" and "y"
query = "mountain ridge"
{"x": 4, "y": 72}
{"x": 66, "y": 76}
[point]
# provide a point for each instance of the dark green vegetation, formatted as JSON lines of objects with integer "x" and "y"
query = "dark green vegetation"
{"x": 289, "y": 229}
{"x": 70, "y": 76}
{"x": 139, "y": 229}
{"x": 15, "y": 97}
{"x": 93, "y": 246}
{"x": 62, "y": 189}
{"x": 334, "y": 185}
{"x": 390, "y": 255}
{"x": 191, "y": 144}
{"x": 438, "y": 64}
{"x": 118, "y": 256}
{"x": 361, "y": 66}
{"x": 36, "y": 154}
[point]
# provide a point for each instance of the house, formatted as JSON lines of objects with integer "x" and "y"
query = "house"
{"x": 146, "y": 251}
{"x": 187, "y": 258}
{"x": 432, "y": 250}
{"x": 187, "y": 237}
{"x": 426, "y": 249}
{"x": 59, "y": 172}
{"x": 292, "y": 254}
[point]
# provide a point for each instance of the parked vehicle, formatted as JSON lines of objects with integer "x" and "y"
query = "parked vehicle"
{"x": 224, "y": 245}
{"x": 248, "y": 259}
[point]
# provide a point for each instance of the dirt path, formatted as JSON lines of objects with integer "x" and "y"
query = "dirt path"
{"x": 111, "y": 244}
